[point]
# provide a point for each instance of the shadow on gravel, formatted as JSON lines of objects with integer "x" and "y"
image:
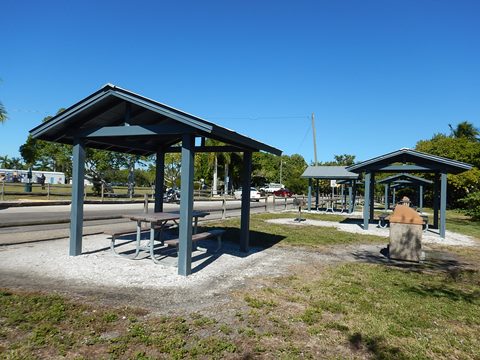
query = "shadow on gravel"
{"x": 205, "y": 255}
{"x": 434, "y": 261}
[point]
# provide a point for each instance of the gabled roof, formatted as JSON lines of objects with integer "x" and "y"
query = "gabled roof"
{"x": 405, "y": 178}
{"x": 329, "y": 172}
{"x": 404, "y": 160}
{"x": 116, "y": 119}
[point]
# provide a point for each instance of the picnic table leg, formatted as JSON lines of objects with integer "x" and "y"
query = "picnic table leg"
{"x": 195, "y": 225}
{"x": 152, "y": 242}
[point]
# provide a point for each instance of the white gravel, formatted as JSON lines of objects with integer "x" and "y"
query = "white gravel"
{"x": 429, "y": 237}
{"x": 99, "y": 266}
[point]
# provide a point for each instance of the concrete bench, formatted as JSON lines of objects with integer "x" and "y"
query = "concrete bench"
{"x": 211, "y": 234}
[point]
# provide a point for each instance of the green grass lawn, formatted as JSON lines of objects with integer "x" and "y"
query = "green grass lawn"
{"x": 263, "y": 233}
{"x": 346, "y": 310}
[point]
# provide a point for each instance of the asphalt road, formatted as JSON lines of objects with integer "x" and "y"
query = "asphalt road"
{"x": 36, "y": 223}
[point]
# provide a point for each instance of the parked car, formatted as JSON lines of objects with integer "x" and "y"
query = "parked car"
{"x": 283, "y": 192}
{"x": 270, "y": 188}
{"x": 254, "y": 194}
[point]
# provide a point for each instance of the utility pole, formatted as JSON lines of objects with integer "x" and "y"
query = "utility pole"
{"x": 314, "y": 139}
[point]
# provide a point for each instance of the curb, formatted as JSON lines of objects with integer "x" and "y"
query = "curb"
{"x": 56, "y": 221}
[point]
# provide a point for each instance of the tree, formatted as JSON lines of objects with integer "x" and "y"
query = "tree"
{"x": 460, "y": 148}
{"x": 466, "y": 130}
{"x": 3, "y": 113}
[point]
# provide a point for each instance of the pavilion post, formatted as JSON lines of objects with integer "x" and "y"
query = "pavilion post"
{"x": 354, "y": 197}
{"x": 186, "y": 206}
{"x": 420, "y": 198}
{"x": 309, "y": 194}
{"x": 386, "y": 197}
{"x": 76, "y": 214}
{"x": 366, "y": 201}
{"x": 443, "y": 204}
{"x": 159, "y": 180}
{"x": 245, "y": 212}
{"x": 436, "y": 191}
{"x": 317, "y": 195}
{"x": 372, "y": 196}
{"x": 350, "y": 199}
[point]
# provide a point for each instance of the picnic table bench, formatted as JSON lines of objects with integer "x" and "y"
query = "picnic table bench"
{"x": 210, "y": 234}
{"x": 115, "y": 234}
{"x": 157, "y": 222}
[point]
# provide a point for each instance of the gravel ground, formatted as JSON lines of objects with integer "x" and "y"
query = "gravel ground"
{"x": 100, "y": 276}
{"x": 429, "y": 237}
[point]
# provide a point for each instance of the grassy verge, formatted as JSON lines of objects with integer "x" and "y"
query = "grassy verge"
{"x": 263, "y": 233}
{"x": 352, "y": 310}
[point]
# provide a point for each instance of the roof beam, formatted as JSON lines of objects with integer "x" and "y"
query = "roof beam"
{"x": 135, "y": 130}
{"x": 204, "y": 149}
{"x": 407, "y": 168}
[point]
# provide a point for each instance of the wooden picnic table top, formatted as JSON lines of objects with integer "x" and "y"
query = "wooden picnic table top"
{"x": 163, "y": 216}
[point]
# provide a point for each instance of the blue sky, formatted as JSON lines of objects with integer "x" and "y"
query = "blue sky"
{"x": 379, "y": 75}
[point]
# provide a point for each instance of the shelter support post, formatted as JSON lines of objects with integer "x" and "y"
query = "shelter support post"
{"x": 394, "y": 195}
{"x": 350, "y": 199}
{"x": 420, "y": 198}
{"x": 245, "y": 214}
{"x": 159, "y": 180}
{"x": 386, "y": 197}
{"x": 436, "y": 194}
{"x": 366, "y": 202}
{"x": 76, "y": 214}
{"x": 309, "y": 194}
{"x": 186, "y": 206}
{"x": 317, "y": 195}
{"x": 372, "y": 196}
{"x": 443, "y": 204}
{"x": 354, "y": 198}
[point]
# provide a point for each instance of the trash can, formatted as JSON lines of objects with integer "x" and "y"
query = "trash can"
{"x": 405, "y": 234}
{"x": 28, "y": 187}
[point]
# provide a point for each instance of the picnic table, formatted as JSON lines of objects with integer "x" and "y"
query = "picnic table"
{"x": 156, "y": 222}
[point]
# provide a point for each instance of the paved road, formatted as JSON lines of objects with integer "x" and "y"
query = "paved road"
{"x": 52, "y": 222}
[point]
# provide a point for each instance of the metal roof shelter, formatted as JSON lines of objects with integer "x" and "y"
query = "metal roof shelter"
{"x": 116, "y": 119}
{"x": 326, "y": 172}
{"x": 408, "y": 161}
{"x": 392, "y": 182}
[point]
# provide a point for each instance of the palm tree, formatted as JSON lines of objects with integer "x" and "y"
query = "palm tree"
{"x": 4, "y": 162}
{"x": 3, "y": 113}
{"x": 465, "y": 129}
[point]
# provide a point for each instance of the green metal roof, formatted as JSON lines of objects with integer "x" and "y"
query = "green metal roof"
{"x": 407, "y": 160}
{"x": 116, "y": 119}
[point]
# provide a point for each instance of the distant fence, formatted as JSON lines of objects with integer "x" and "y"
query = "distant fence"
{"x": 56, "y": 191}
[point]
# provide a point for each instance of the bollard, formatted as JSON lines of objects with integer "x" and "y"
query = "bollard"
{"x": 145, "y": 203}
{"x": 266, "y": 203}
{"x": 224, "y": 208}
{"x": 285, "y": 206}
{"x": 103, "y": 192}
{"x": 273, "y": 206}
{"x": 3, "y": 190}
{"x": 48, "y": 191}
